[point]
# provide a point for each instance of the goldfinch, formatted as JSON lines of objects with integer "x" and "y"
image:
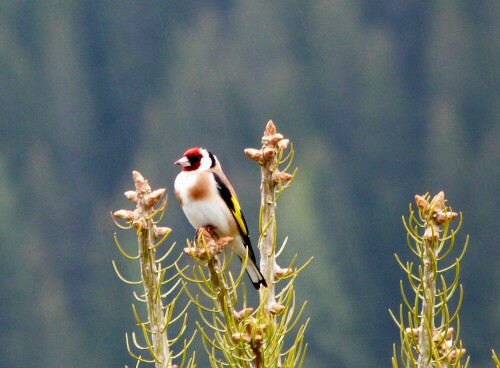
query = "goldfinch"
{"x": 208, "y": 199}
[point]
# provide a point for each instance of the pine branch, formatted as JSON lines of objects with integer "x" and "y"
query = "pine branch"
{"x": 424, "y": 342}
{"x": 273, "y": 182}
{"x": 150, "y": 237}
{"x": 278, "y": 306}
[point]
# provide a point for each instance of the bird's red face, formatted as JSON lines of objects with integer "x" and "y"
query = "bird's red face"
{"x": 196, "y": 158}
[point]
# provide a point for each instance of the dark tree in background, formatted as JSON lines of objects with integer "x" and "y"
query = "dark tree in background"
{"x": 383, "y": 99}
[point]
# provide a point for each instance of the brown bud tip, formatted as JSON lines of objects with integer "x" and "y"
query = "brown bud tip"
{"x": 276, "y": 138}
{"x": 253, "y": 153}
{"x": 162, "y": 230}
{"x": 444, "y": 217}
{"x": 131, "y": 195}
{"x": 238, "y": 336}
{"x": 190, "y": 251}
{"x": 437, "y": 202}
{"x": 158, "y": 193}
{"x": 244, "y": 313}
{"x": 421, "y": 202}
{"x": 456, "y": 354}
{"x": 139, "y": 223}
{"x": 280, "y": 177}
{"x": 141, "y": 184}
{"x": 154, "y": 197}
{"x": 222, "y": 242}
{"x": 124, "y": 215}
{"x": 270, "y": 128}
{"x": 283, "y": 143}
{"x": 277, "y": 309}
{"x": 440, "y": 196}
{"x": 136, "y": 175}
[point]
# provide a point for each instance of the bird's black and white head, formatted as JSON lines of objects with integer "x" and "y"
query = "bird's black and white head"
{"x": 197, "y": 159}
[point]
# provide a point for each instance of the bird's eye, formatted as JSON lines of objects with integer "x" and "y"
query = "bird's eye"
{"x": 194, "y": 159}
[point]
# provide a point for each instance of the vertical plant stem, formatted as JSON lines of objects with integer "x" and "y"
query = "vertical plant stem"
{"x": 436, "y": 215}
{"x": 151, "y": 274}
{"x": 219, "y": 284}
{"x": 268, "y": 219}
{"x": 429, "y": 292}
{"x": 423, "y": 344}
{"x": 269, "y": 158}
{"x": 275, "y": 313}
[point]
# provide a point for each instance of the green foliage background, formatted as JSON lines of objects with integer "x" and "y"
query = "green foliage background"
{"x": 383, "y": 99}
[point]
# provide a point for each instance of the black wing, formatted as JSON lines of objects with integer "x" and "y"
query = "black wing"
{"x": 234, "y": 207}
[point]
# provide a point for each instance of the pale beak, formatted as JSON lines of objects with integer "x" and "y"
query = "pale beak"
{"x": 183, "y": 161}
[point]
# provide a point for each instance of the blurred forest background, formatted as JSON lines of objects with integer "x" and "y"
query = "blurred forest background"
{"x": 382, "y": 99}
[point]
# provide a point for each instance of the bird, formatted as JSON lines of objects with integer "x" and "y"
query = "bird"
{"x": 207, "y": 198}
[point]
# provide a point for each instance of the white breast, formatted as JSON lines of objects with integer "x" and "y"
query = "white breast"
{"x": 210, "y": 211}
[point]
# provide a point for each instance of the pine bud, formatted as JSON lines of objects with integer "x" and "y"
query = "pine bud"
{"x": 283, "y": 144}
{"x": 161, "y": 230}
{"x": 124, "y": 215}
{"x": 254, "y": 154}
{"x": 280, "y": 177}
{"x": 277, "y": 309}
{"x": 154, "y": 197}
{"x": 131, "y": 195}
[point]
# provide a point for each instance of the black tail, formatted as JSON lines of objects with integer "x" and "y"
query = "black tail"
{"x": 254, "y": 273}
